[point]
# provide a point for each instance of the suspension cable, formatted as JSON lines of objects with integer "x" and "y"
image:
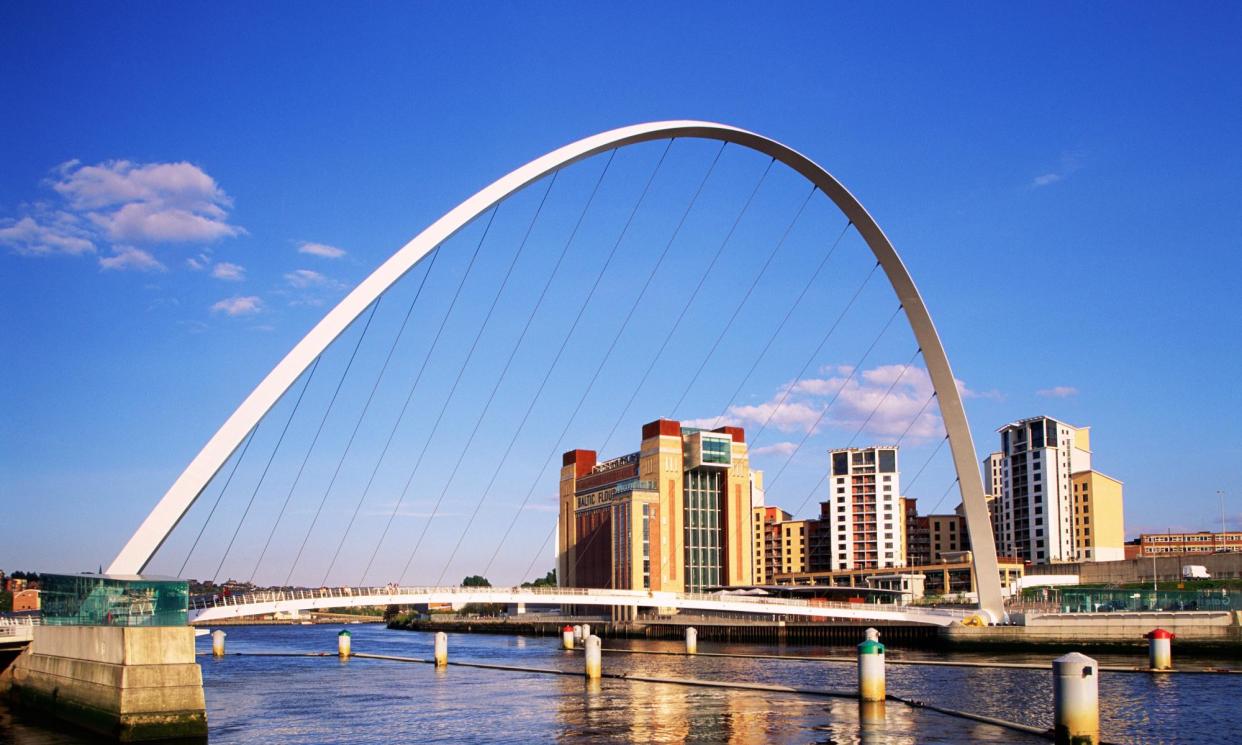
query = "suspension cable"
{"x": 266, "y": 467}
{"x": 815, "y": 353}
{"x": 607, "y": 355}
{"x": 624, "y": 231}
{"x": 568, "y": 242}
{"x": 738, "y": 309}
{"x": 883, "y": 398}
{"x": 910, "y": 426}
{"x": 227, "y": 481}
{"x": 311, "y": 447}
{"x": 780, "y": 326}
{"x": 952, "y": 484}
{"x": 478, "y": 247}
{"x": 620, "y": 238}
{"x": 344, "y": 374}
{"x": 853, "y": 371}
{"x": 689, "y": 300}
{"x": 939, "y": 445}
{"x": 565, "y": 340}
{"x": 512, "y": 352}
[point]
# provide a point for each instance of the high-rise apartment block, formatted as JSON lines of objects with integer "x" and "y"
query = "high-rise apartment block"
{"x": 863, "y": 511}
{"x": 1037, "y": 517}
{"x": 675, "y": 515}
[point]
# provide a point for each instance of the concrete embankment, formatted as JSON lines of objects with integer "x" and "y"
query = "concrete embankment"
{"x": 1218, "y": 634}
{"x": 722, "y": 630}
{"x": 1208, "y": 632}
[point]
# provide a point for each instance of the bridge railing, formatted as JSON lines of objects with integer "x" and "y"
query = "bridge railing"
{"x": 385, "y": 593}
{"x": 20, "y": 621}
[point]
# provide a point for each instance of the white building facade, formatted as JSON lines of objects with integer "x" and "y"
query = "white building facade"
{"x": 864, "y": 509}
{"x": 1035, "y": 519}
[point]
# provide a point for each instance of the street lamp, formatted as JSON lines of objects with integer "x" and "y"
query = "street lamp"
{"x": 1221, "y": 492}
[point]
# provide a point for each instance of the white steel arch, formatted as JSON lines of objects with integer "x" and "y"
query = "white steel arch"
{"x": 155, "y": 529}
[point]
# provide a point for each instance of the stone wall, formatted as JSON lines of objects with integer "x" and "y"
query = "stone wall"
{"x": 130, "y": 684}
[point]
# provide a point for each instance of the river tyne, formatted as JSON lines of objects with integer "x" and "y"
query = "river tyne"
{"x": 292, "y": 699}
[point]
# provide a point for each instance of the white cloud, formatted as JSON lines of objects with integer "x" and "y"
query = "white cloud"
{"x": 795, "y": 407}
{"x": 29, "y": 237}
{"x": 777, "y": 448}
{"x": 120, "y": 204}
{"x": 321, "y": 249}
{"x": 1057, "y": 391}
{"x": 239, "y": 305}
{"x": 127, "y": 257}
{"x": 231, "y": 272}
{"x": 154, "y": 202}
{"x": 1070, "y": 162}
{"x": 304, "y": 278}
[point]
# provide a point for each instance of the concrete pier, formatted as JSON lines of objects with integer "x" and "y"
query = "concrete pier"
{"x": 129, "y": 684}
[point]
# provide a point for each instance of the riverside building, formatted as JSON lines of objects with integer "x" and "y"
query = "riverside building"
{"x": 1053, "y": 507}
{"x": 676, "y": 515}
{"x": 863, "y": 513}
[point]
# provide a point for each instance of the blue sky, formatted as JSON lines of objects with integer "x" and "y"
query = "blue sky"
{"x": 185, "y": 191}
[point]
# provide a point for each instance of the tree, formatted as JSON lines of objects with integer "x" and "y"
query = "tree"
{"x": 547, "y": 580}
{"x": 475, "y": 580}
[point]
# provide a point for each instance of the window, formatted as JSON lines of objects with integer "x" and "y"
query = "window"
{"x": 888, "y": 461}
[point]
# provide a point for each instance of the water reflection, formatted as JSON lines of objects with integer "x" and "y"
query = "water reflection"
{"x": 325, "y": 700}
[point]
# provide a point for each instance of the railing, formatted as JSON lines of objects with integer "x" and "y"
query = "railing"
{"x": 20, "y": 621}
{"x": 652, "y": 598}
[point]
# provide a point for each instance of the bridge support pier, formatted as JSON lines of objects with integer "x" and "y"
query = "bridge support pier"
{"x": 127, "y": 683}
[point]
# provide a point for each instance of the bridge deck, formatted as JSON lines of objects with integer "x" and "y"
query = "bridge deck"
{"x": 262, "y": 603}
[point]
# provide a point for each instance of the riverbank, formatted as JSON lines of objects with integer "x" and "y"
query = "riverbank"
{"x": 1196, "y": 636}
{"x": 312, "y": 619}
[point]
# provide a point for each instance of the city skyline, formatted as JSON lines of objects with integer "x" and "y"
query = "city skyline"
{"x": 189, "y": 229}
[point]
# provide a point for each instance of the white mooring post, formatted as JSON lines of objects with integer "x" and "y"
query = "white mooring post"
{"x": 594, "y": 658}
{"x": 871, "y": 670}
{"x": 692, "y": 640}
{"x": 342, "y": 644}
{"x": 586, "y": 630}
{"x": 441, "y": 652}
{"x": 567, "y": 637}
{"x": 1160, "y": 649}
{"x": 578, "y": 632}
{"x": 871, "y": 635}
{"x": 1076, "y": 699}
{"x": 217, "y": 643}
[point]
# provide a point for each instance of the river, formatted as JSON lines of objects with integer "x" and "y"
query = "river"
{"x": 273, "y": 699}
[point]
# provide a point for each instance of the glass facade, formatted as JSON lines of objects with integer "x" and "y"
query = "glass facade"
{"x": 1104, "y": 601}
{"x": 99, "y": 600}
{"x": 704, "y": 556}
{"x": 717, "y": 451}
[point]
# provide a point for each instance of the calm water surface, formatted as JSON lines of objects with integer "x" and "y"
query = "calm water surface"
{"x": 322, "y": 700}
